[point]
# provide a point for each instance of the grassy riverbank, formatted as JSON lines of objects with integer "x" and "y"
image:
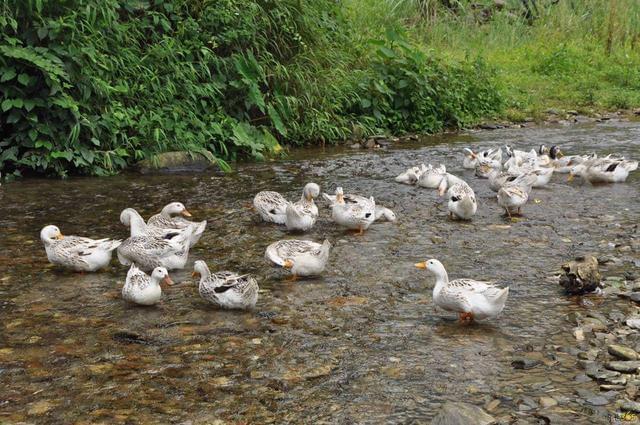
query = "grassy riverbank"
{"x": 580, "y": 55}
{"x": 90, "y": 86}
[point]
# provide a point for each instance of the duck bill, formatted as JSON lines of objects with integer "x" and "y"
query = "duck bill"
{"x": 186, "y": 213}
{"x": 422, "y": 265}
{"x": 168, "y": 281}
{"x": 570, "y": 178}
{"x": 474, "y": 155}
{"x": 559, "y": 154}
{"x": 195, "y": 274}
{"x": 287, "y": 264}
{"x": 308, "y": 197}
{"x": 59, "y": 236}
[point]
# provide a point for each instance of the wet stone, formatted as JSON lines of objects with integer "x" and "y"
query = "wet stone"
{"x": 623, "y": 366}
{"x": 603, "y": 375}
{"x": 622, "y": 352}
{"x": 546, "y": 402}
{"x": 524, "y": 363}
{"x": 630, "y": 406}
{"x": 458, "y": 413}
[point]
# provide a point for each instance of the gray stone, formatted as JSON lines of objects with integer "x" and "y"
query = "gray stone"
{"x": 546, "y": 402}
{"x": 622, "y": 352}
{"x": 630, "y": 406}
{"x": 172, "y": 162}
{"x": 603, "y": 375}
{"x": 525, "y": 363}
{"x": 457, "y": 413}
{"x": 623, "y": 366}
{"x": 633, "y": 323}
{"x": 597, "y": 400}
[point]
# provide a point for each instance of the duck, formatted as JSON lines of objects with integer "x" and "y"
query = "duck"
{"x": 411, "y": 175}
{"x": 226, "y": 289}
{"x": 301, "y": 257}
{"x": 132, "y": 219}
{"x": 432, "y": 177}
{"x": 447, "y": 180}
{"x": 271, "y": 206}
{"x": 562, "y": 164}
{"x": 604, "y": 170}
{"x": 516, "y": 157}
{"x": 484, "y": 167}
{"x": 471, "y": 299}
{"x": 470, "y": 159}
{"x": 498, "y": 178}
{"x": 76, "y": 252}
{"x": 142, "y": 289}
{"x": 515, "y": 194}
{"x": 302, "y": 215}
{"x": 531, "y": 166}
{"x": 149, "y": 252}
{"x": 353, "y": 215}
{"x": 462, "y": 201}
{"x": 166, "y": 220}
{"x": 494, "y": 154}
{"x": 381, "y": 213}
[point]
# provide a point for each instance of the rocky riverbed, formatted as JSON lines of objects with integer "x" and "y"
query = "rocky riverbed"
{"x": 361, "y": 344}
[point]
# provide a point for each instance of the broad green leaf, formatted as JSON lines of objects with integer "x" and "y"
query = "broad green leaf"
{"x": 6, "y": 105}
{"x": 276, "y": 120}
{"x": 8, "y": 75}
{"x": 68, "y": 155}
{"x": 24, "y": 79}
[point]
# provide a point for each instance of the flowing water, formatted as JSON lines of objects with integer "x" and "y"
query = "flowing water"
{"x": 361, "y": 344}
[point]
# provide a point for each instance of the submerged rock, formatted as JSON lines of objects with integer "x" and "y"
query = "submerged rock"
{"x": 173, "y": 162}
{"x": 624, "y": 366}
{"x": 580, "y": 276}
{"x": 457, "y": 413}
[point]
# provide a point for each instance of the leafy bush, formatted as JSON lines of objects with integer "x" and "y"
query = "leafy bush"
{"x": 412, "y": 91}
{"x": 89, "y": 86}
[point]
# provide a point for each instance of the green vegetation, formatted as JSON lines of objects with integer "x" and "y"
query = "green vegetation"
{"x": 90, "y": 86}
{"x": 579, "y": 55}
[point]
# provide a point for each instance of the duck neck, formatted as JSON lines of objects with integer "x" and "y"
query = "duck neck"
{"x": 166, "y": 212}
{"x": 137, "y": 224}
{"x": 441, "y": 280}
{"x": 155, "y": 280}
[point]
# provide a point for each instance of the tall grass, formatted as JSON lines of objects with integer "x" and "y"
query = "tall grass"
{"x": 573, "y": 55}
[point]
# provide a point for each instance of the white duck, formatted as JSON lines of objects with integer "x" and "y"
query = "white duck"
{"x": 411, "y": 175}
{"x": 470, "y": 159}
{"x": 149, "y": 252}
{"x": 139, "y": 288}
{"x": 353, "y": 215}
{"x": 471, "y": 299}
{"x": 446, "y": 181}
{"x": 132, "y": 219}
{"x": 432, "y": 177}
{"x": 381, "y": 213}
{"x": 302, "y": 257}
{"x": 531, "y": 166}
{"x": 226, "y": 289}
{"x": 485, "y": 166}
{"x": 462, "y": 201}
{"x": 167, "y": 220}
{"x": 75, "y": 252}
{"x": 271, "y": 206}
{"x": 514, "y": 194}
{"x": 604, "y": 170}
{"x": 498, "y": 178}
{"x": 302, "y": 215}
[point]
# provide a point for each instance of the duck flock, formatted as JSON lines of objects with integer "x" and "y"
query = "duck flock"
{"x": 162, "y": 243}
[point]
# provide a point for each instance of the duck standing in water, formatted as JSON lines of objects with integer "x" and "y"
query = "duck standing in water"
{"x": 167, "y": 220}
{"x": 302, "y": 215}
{"x": 354, "y": 216}
{"x": 471, "y": 299}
